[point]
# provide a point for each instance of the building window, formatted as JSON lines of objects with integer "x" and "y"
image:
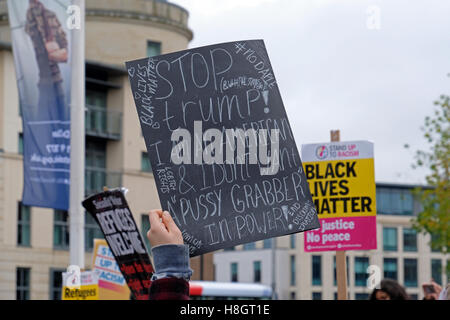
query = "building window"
{"x": 23, "y": 225}
{"x": 145, "y": 226}
{"x": 448, "y": 269}
{"x": 317, "y": 270}
{"x": 390, "y": 239}
{"x": 249, "y": 246}
{"x": 96, "y": 98}
{"x": 91, "y": 231}
{"x": 96, "y": 119}
{"x": 409, "y": 240}
{"x": 96, "y": 155}
{"x": 413, "y": 296}
{"x": 229, "y": 249}
{"x": 390, "y": 268}
{"x": 257, "y": 271}
{"x": 23, "y": 284}
{"x": 433, "y": 239}
{"x": 145, "y": 163}
{"x": 20, "y": 146}
{"x": 394, "y": 201}
{"x": 334, "y": 270}
{"x": 234, "y": 272}
{"x": 61, "y": 230}
{"x": 153, "y": 48}
{"x": 317, "y": 295}
{"x": 361, "y": 265}
{"x": 293, "y": 238}
{"x": 410, "y": 272}
{"x": 96, "y": 176}
{"x": 292, "y": 260}
{"x": 361, "y": 296}
{"x": 56, "y": 283}
{"x": 267, "y": 243}
{"x": 436, "y": 270}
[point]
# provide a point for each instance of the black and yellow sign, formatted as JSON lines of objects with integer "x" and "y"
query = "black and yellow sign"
{"x": 87, "y": 290}
{"x": 342, "y": 188}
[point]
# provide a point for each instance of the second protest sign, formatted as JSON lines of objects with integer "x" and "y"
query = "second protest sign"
{"x": 110, "y": 210}
{"x": 341, "y": 179}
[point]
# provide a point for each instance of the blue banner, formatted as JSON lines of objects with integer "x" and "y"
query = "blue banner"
{"x": 41, "y": 47}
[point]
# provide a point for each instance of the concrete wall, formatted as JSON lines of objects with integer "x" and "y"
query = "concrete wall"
{"x": 116, "y": 42}
{"x": 245, "y": 260}
{"x": 11, "y": 122}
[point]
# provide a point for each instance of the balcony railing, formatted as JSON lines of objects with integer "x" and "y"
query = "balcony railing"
{"x": 103, "y": 123}
{"x": 97, "y": 178}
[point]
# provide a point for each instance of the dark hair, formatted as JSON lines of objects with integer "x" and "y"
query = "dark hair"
{"x": 392, "y": 288}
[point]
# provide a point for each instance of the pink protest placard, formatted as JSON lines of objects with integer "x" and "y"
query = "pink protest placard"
{"x": 335, "y": 234}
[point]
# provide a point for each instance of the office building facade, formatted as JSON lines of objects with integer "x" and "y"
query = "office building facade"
{"x": 401, "y": 254}
{"x": 34, "y": 242}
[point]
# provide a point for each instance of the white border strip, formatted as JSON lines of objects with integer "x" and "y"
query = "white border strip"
{"x": 330, "y": 151}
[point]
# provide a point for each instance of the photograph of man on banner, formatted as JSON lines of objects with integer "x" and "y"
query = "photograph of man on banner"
{"x": 51, "y": 47}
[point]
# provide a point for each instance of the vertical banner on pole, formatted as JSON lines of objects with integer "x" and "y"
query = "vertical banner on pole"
{"x": 41, "y": 42}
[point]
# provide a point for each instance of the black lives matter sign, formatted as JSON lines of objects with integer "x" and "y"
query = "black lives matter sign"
{"x": 221, "y": 148}
{"x": 110, "y": 210}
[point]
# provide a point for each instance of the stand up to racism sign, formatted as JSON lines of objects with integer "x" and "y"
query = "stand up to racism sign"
{"x": 223, "y": 154}
{"x": 341, "y": 179}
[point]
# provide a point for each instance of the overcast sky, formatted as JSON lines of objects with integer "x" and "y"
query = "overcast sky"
{"x": 341, "y": 65}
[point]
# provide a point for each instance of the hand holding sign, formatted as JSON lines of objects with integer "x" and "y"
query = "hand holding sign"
{"x": 163, "y": 229}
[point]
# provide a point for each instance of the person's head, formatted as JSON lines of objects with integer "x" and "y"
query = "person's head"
{"x": 389, "y": 290}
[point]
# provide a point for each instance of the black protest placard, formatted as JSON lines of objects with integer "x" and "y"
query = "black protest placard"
{"x": 220, "y": 144}
{"x": 110, "y": 210}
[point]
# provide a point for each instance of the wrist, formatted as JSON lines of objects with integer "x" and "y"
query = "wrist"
{"x": 171, "y": 260}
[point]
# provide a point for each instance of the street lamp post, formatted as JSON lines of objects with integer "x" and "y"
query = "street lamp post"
{"x": 77, "y": 140}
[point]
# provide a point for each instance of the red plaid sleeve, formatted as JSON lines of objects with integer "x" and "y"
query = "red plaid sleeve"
{"x": 169, "y": 289}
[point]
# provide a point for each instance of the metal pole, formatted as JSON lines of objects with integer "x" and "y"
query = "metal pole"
{"x": 201, "y": 268}
{"x": 77, "y": 143}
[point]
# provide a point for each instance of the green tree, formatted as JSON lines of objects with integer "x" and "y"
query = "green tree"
{"x": 435, "y": 216}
